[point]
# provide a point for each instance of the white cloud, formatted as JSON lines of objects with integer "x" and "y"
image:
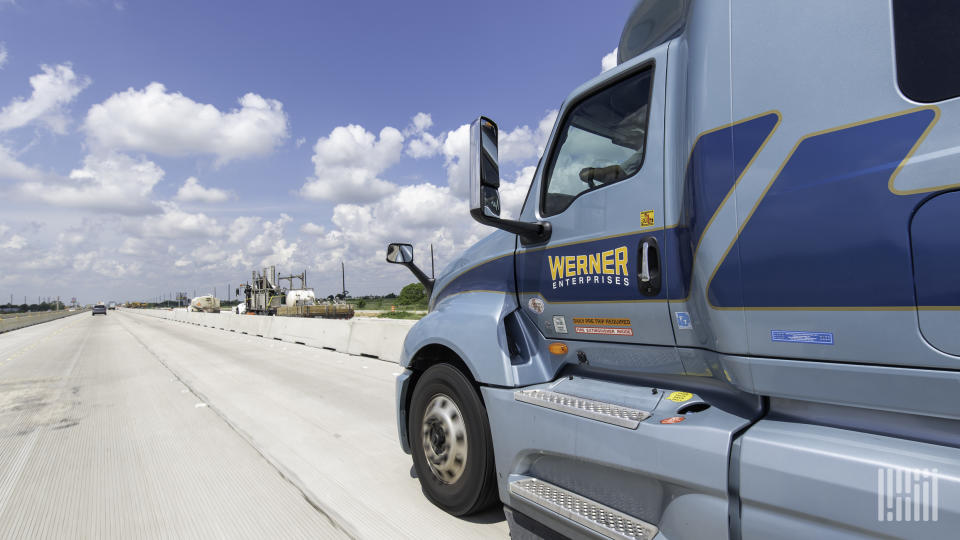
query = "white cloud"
{"x": 281, "y": 254}
{"x": 208, "y": 253}
{"x": 513, "y": 193}
{"x": 271, "y": 245}
{"x": 263, "y": 243}
{"x": 114, "y": 182}
{"x": 456, "y": 153}
{"x": 525, "y": 143}
{"x": 3, "y": 54}
{"x": 82, "y": 261}
{"x": 300, "y": 140}
{"x": 115, "y": 270}
{"x": 518, "y": 146}
{"x": 240, "y": 227}
{"x": 348, "y": 162}
{"x": 420, "y": 123}
{"x": 192, "y": 191}
{"x": 312, "y": 229}
{"x": 609, "y": 60}
{"x": 426, "y": 145}
{"x": 171, "y": 124}
{"x": 13, "y": 169}
{"x": 133, "y": 246}
{"x": 176, "y": 223}
{"x": 52, "y": 90}
{"x": 14, "y": 242}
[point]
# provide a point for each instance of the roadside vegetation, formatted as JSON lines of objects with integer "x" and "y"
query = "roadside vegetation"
{"x": 400, "y": 315}
{"x": 412, "y": 297}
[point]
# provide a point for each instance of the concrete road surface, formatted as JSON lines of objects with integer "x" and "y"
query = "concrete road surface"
{"x": 128, "y": 426}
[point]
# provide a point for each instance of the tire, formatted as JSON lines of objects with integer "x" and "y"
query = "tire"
{"x": 462, "y": 479}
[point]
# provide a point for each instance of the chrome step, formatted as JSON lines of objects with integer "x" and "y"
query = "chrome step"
{"x": 587, "y": 408}
{"x": 592, "y": 515}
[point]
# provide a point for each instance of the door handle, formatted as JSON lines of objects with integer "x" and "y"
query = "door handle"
{"x": 648, "y": 273}
{"x": 645, "y": 262}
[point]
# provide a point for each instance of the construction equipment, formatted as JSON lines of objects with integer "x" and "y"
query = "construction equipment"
{"x": 207, "y": 303}
{"x": 264, "y": 296}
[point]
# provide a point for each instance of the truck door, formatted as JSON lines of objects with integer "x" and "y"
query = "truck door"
{"x": 601, "y": 275}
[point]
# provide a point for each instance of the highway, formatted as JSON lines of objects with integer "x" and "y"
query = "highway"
{"x": 128, "y": 426}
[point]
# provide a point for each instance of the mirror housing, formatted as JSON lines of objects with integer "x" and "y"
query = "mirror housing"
{"x": 485, "y": 185}
{"x": 403, "y": 254}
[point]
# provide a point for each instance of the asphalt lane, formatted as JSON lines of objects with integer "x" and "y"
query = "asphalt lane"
{"x": 129, "y": 426}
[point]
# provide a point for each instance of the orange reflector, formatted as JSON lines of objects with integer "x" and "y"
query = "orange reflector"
{"x": 673, "y": 420}
{"x": 558, "y": 348}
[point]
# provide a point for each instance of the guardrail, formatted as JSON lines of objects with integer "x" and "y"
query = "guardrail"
{"x": 382, "y": 338}
{"x": 15, "y": 323}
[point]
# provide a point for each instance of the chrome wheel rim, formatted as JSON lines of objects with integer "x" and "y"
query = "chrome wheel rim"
{"x": 444, "y": 439}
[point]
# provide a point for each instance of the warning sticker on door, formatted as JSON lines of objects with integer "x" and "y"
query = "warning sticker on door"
{"x": 603, "y": 330}
{"x": 601, "y": 322}
{"x": 679, "y": 397}
{"x": 559, "y": 324}
{"x": 646, "y": 218}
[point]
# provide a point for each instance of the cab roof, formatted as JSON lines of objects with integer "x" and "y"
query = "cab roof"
{"x": 651, "y": 23}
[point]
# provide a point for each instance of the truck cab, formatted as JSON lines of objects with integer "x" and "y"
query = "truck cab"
{"x": 729, "y": 307}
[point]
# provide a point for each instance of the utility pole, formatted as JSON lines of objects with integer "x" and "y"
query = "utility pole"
{"x": 431, "y": 262}
{"x": 343, "y": 278}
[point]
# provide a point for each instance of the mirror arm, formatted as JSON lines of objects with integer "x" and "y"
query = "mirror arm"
{"x": 530, "y": 233}
{"x": 421, "y": 277}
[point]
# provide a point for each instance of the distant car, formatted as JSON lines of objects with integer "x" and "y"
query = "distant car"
{"x": 99, "y": 308}
{"x": 112, "y": 305}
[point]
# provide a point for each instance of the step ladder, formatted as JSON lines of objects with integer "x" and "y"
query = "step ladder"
{"x": 586, "y": 408}
{"x": 597, "y": 517}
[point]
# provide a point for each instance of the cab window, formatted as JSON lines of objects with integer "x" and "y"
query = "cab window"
{"x": 602, "y": 142}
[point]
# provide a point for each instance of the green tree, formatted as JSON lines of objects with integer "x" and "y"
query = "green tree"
{"x": 413, "y": 293}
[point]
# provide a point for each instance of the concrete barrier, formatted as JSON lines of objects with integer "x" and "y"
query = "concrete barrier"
{"x": 372, "y": 337}
{"x": 327, "y": 334}
{"x": 15, "y": 323}
{"x": 377, "y": 338}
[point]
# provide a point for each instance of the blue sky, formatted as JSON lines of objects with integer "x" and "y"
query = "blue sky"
{"x": 295, "y": 121}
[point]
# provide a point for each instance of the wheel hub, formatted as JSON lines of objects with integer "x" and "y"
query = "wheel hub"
{"x": 444, "y": 439}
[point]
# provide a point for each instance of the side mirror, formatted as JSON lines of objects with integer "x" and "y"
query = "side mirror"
{"x": 400, "y": 253}
{"x": 403, "y": 254}
{"x": 485, "y": 169}
{"x": 485, "y": 185}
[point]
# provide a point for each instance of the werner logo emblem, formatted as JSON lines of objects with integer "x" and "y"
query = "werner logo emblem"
{"x": 602, "y": 268}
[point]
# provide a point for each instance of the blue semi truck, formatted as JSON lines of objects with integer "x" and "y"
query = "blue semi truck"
{"x": 730, "y": 305}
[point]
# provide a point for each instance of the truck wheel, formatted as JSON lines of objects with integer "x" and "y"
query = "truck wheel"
{"x": 451, "y": 444}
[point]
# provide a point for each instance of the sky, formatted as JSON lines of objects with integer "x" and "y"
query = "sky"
{"x": 148, "y": 148}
